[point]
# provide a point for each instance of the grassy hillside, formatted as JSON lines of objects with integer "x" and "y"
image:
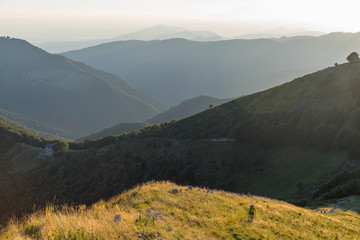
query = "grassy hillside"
{"x": 55, "y": 91}
{"x": 185, "y": 69}
{"x": 194, "y": 214}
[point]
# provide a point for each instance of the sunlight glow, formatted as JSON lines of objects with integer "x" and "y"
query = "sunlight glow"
{"x": 95, "y": 19}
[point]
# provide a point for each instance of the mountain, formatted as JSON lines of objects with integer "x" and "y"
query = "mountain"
{"x": 288, "y": 142}
{"x": 56, "y": 91}
{"x": 149, "y": 211}
{"x": 159, "y": 32}
{"x": 183, "y": 110}
{"x": 177, "y": 69}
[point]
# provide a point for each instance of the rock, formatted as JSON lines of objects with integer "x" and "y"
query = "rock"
{"x": 158, "y": 216}
{"x": 146, "y": 236}
{"x": 117, "y": 218}
{"x": 174, "y": 191}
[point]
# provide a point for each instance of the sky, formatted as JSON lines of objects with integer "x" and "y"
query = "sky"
{"x": 72, "y": 20}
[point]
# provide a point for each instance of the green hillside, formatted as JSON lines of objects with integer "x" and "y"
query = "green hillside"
{"x": 320, "y": 110}
{"x": 71, "y": 97}
{"x": 195, "y": 214}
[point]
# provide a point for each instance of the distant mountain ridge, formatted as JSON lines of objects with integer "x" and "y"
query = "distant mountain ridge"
{"x": 223, "y": 69}
{"x": 159, "y": 32}
{"x": 68, "y": 95}
{"x": 162, "y": 32}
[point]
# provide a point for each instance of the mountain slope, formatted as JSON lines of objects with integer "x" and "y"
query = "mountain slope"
{"x": 223, "y": 69}
{"x": 18, "y": 156}
{"x": 194, "y": 214}
{"x": 183, "y": 110}
{"x": 320, "y": 109}
{"x": 284, "y": 143}
{"x": 187, "y": 108}
{"x": 117, "y": 129}
{"x": 66, "y": 94}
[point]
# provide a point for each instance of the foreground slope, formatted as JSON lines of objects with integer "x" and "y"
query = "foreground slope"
{"x": 223, "y": 69}
{"x": 193, "y": 214}
{"x": 68, "y": 95}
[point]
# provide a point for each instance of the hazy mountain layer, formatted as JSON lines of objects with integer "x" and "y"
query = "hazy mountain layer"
{"x": 187, "y": 108}
{"x": 118, "y": 129}
{"x": 63, "y": 93}
{"x": 177, "y": 69}
{"x": 159, "y": 32}
{"x": 183, "y": 110}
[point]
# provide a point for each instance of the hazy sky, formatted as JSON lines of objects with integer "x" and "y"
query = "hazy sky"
{"x": 49, "y": 20}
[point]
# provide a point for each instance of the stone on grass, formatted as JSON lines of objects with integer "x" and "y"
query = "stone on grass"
{"x": 117, "y": 218}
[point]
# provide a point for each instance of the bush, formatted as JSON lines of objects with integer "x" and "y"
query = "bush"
{"x": 60, "y": 147}
{"x": 353, "y": 57}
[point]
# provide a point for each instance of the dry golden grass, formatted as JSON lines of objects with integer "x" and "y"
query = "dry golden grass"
{"x": 192, "y": 214}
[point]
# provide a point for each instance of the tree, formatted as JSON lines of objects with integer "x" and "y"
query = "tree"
{"x": 60, "y": 147}
{"x": 353, "y": 57}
